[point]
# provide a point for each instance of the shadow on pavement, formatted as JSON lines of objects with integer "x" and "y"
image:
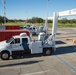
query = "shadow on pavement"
{"x": 64, "y": 50}
{"x": 20, "y": 63}
{"x": 60, "y": 42}
{"x": 59, "y": 51}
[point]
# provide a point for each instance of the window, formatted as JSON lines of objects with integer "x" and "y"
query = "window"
{"x": 30, "y": 28}
{"x": 34, "y": 28}
{"x": 8, "y": 41}
{"x": 15, "y": 41}
{"x": 24, "y": 40}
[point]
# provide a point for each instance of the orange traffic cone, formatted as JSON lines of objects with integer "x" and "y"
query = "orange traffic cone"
{"x": 66, "y": 39}
{"x": 74, "y": 41}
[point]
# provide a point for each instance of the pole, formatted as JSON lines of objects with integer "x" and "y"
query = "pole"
{"x": 26, "y": 17}
{"x": 46, "y": 20}
{"x": 4, "y": 4}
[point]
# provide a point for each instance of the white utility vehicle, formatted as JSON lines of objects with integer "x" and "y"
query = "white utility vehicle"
{"x": 22, "y": 44}
{"x": 31, "y": 29}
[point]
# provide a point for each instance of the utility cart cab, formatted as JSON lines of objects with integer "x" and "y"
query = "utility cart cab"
{"x": 14, "y": 46}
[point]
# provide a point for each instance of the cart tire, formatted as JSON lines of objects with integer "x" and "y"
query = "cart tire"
{"x": 47, "y": 52}
{"x": 5, "y": 55}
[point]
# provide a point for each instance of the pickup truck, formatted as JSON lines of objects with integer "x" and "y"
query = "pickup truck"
{"x": 21, "y": 45}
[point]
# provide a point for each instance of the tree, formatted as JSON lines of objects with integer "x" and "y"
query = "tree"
{"x": 1, "y": 20}
{"x": 49, "y": 21}
{"x": 35, "y": 20}
{"x": 63, "y": 21}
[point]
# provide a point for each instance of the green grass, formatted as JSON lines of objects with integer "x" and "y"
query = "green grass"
{"x": 67, "y": 25}
{"x": 15, "y": 23}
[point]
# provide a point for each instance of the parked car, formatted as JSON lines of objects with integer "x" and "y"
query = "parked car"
{"x": 32, "y": 30}
{"x": 25, "y": 27}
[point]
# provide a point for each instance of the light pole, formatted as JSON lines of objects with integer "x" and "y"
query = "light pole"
{"x": 26, "y": 17}
{"x": 4, "y": 4}
{"x": 47, "y": 8}
{"x": 46, "y": 20}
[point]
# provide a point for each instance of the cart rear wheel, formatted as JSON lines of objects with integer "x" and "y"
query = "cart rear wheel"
{"x": 47, "y": 52}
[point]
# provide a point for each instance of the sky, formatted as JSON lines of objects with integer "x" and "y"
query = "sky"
{"x": 23, "y": 9}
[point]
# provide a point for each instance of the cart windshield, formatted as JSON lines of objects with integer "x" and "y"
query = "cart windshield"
{"x": 11, "y": 39}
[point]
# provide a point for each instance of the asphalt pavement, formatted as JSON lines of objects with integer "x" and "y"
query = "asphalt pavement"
{"x": 61, "y": 62}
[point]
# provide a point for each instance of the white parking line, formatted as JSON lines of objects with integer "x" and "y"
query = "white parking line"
{"x": 36, "y": 72}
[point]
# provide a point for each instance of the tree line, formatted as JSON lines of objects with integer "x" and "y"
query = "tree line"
{"x": 37, "y": 20}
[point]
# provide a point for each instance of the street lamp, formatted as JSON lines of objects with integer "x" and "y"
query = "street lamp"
{"x": 46, "y": 20}
{"x": 26, "y": 17}
{"x": 47, "y": 8}
{"x": 4, "y": 4}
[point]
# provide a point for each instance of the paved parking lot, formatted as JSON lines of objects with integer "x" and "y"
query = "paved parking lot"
{"x": 61, "y": 62}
